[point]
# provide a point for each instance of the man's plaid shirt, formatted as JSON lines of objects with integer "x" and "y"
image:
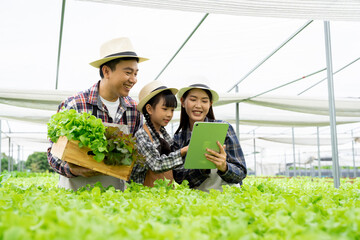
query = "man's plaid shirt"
{"x": 153, "y": 159}
{"x": 234, "y": 156}
{"x": 85, "y": 102}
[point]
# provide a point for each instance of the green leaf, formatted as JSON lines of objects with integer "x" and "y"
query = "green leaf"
{"x": 99, "y": 157}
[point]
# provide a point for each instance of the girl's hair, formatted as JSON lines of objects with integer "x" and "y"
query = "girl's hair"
{"x": 184, "y": 117}
{"x": 169, "y": 101}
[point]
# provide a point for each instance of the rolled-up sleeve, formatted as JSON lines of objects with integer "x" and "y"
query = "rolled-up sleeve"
{"x": 153, "y": 159}
{"x": 236, "y": 171}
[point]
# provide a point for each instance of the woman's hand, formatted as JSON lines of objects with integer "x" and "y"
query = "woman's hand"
{"x": 218, "y": 158}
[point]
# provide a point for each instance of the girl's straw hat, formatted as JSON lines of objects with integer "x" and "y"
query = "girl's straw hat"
{"x": 116, "y": 48}
{"x": 150, "y": 90}
{"x": 214, "y": 94}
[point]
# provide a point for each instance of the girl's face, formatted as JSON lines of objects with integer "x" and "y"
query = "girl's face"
{"x": 160, "y": 115}
{"x": 197, "y": 104}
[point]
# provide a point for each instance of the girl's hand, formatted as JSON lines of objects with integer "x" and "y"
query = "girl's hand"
{"x": 218, "y": 158}
{"x": 184, "y": 150}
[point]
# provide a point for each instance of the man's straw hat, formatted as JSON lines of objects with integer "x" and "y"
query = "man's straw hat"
{"x": 116, "y": 48}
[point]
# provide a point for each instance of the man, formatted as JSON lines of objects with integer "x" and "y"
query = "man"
{"x": 107, "y": 99}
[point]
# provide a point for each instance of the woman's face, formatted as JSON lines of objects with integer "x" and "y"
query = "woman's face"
{"x": 197, "y": 104}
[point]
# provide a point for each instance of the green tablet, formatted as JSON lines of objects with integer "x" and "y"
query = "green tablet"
{"x": 204, "y": 135}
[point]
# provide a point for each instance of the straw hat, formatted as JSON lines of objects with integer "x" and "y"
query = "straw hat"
{"x": 150, "y": 90}
{"x": 116, "y": 48}
{"x": 214, "y": 94}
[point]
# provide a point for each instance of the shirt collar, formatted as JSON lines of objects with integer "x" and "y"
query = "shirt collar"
{"x": 94, "y": 98}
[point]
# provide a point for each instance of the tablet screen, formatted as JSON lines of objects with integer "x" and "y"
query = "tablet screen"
{"x": 204, "y": 135}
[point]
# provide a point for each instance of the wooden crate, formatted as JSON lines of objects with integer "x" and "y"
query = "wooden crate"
{"x": 69, "y": 151}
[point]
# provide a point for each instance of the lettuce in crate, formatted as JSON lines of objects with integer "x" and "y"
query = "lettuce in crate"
{"x": 108, "y": 144}
{"x": 83, "y": 127}
{"x": 122, "y": 148}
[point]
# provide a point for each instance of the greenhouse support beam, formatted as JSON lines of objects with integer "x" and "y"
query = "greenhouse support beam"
{"x": 237, "y": 115}
{"x": 60, "y": 40}
{"x": 284, "y": 85}
{"x": 312, "y": 170}
{"x": 286, "y": 170}
{"x": 22, "y": 157}
{"x": 18, "y": 157}
{"x": 353, "y": 152}
{"x": 0, "y": 146}
{"x": 293, "y": 143}
{"x": 271, "y": 54}
{"x": 188, "y": 38}
{"x": 12, "y": 157}
{"x": 254, "y": 142}
{"x": 9, "y": 159}
{"x": 299, "y": 164}
{"x": 326, "y": 77}
{"x": 318, "y": 148}
{"x": 332, "y": 113}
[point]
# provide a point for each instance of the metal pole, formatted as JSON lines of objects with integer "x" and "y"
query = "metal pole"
{"x": 326, "y": 78}
{"x": 188, "y": 38}
{"x": 299, "y": 164}
{"x": 22, "y": 157}
{"x": 254, "y": 152}
{"x": 12, "y": 157}
{"x": 60, "y": 40}
{"x": 332, "y": 111}
{"x": 353, "y": 152}
{"x": 286, "y": 170}
{"x": 237, "y": 115}
{"x": 9, "y": 167}
{"x": 283, "y": 85}
{"x": 293, "y": 143}
{"x": 0, "y": 146}
{"x": 318, "y": 146}
{"x": 18, "y": 162}
{"x": 279, "y": 168}
{"x": 271, "y": 54}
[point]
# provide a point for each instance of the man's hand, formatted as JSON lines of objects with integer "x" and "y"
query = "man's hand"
{"x": 81, "y": 171}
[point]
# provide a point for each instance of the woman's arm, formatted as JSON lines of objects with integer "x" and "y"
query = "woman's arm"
{"x": 236, "y": 166}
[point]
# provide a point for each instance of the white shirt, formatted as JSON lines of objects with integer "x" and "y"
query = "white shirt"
{"x": 111, "y": 106}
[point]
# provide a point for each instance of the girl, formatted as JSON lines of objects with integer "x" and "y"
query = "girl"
{"x": 196, "y": 105}
{"x": 157, "y": 103}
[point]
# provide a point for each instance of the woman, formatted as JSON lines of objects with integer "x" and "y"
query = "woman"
{"x": 196, "y": 106}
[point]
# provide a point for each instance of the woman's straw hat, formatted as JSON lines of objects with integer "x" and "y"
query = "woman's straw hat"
{"x": 214, "y": 94}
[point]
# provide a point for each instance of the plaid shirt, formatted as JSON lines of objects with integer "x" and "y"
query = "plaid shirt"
{"x": 153, "y": 161}
{"x": 234, "y": 156}
{"x": 84, "y": 102}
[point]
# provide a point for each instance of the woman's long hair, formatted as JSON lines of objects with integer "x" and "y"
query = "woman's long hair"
{"x": 169, "y": 101}
{"x": 184, "y": 117}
